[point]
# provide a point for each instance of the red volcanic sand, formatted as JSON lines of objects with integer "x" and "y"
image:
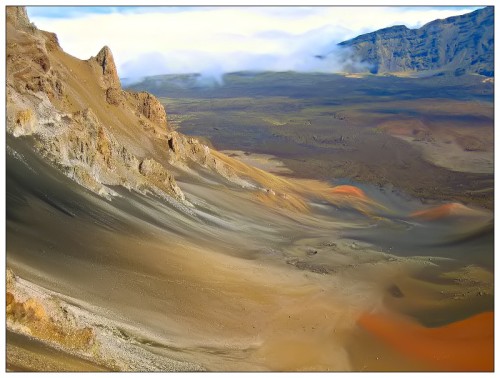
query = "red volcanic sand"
{"x": 351, "y": 191}
{"x": 442, "y": 211}
{"x": 466, "y": 345}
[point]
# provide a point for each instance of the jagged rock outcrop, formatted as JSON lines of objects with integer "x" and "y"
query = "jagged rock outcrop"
{"x": 149, "y": 106}
{"x": 33, "y": 313}
{"x": 114, "y": 96}
{"x": 460, "y": 44}
{"x": 89, "y": 127}
{"x": 101, "y": 136}
{"x": 105, "y": 67}
{"x": 29, "y": 67}
{"x": 18, "y": 17}
{"x": 25, "y": 122}
{"x": 70, "y": 127}
{"x": 184, "y": 150}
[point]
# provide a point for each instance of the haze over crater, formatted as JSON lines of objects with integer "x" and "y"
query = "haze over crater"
{"x": 216, "y": 40}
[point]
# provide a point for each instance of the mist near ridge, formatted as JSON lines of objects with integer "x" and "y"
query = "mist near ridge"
{"x": 216, "y": 40}
{"x": 313, "y": 52}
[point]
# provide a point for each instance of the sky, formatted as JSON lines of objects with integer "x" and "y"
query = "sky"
{"x": 148, "y": 41}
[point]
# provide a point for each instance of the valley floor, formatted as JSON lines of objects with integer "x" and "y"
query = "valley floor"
{"x": 431, "y": 137}
{"x": 237, "y": 282}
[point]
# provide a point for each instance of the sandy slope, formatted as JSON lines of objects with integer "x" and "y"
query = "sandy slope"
{"x": 140, "y": 249}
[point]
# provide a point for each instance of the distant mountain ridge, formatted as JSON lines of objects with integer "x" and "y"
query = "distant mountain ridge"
{"x": 461, "y": 44}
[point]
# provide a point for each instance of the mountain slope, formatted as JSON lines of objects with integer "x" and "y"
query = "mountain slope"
{"x": 133, "y": 247}
{"x": 95, "y": 207}
{"x": 460, "y": 44}
{"x": 96, "y": 133}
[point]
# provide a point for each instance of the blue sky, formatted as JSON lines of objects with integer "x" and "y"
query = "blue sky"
{"x": 213, "y": 40}
{"x": 80, "y": 11}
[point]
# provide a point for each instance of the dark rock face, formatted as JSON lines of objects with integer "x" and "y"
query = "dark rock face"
{"x": 460, "y": 44}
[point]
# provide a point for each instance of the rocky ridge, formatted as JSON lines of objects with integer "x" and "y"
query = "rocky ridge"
{"x": 83, "y": 122}
{"x": 460, "y": 44}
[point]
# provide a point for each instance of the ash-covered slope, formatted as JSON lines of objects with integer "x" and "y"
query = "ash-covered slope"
{"x": 96, "y": 133}
{"x": 113, "y": 262}
{"x": 460, "y": 44}
{"x": 133, "y": 247}
{"x": 98, "y": 225}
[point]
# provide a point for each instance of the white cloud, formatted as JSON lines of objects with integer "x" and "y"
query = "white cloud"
{"x": 223, "y": 39}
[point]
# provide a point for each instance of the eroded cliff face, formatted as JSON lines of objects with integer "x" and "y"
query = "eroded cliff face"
{"x": 67, "y": 126}
{"x": 459, "y": 44}
{"x": 84, "y": 123}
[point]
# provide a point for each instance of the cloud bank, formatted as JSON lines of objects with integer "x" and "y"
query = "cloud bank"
{"x": 215, "y": 40}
